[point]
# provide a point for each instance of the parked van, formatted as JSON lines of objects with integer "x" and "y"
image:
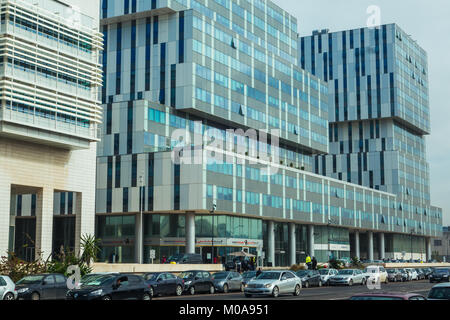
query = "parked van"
{"x": 185, "y": 258}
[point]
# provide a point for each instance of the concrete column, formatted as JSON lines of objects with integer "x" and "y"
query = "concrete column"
{"x": 138, "y": 240}
{"x": 84, "y": 217}
{"x": 311, "y": 240}
{"x": 357, "y": 246}
{"x": 429, "y": 248}
{"x": 382, "y": 246}
{"x": 292, "y": 247}
{"x": 190, "y": 233}
{"x": 44, "y": 223}
{"x": 5, "y": 201}
{"x": 370, "y": 244}
{"x": 271, "y": 243}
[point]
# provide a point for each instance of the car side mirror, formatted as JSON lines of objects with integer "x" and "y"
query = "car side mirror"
{"x": 283, "y": 279}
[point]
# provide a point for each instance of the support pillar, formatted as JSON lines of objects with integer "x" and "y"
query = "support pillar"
{"x": 292, "y": 243}
{"x": 357, "y": 246}
{"x": 382, "y": 247}
{"x": 138, "y": 240}
{"x": 190, "y": 233}
{"x": 271, "y": 243}
{"x": 429, "y": 249}
{"x": 311, "y": 240}
{"x": 370, "y": 244}
{"x": 84, "y": 215}
{"x": 44, "y": 223}
{"x": 5, "y": 201}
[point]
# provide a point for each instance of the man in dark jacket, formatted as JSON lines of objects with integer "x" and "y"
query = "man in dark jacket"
{"x": 314, "y": 263}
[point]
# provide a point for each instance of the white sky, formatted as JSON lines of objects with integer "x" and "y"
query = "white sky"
{"x": 428, "y": 22}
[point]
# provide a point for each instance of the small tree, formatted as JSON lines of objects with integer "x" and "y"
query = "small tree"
{"x": 90, "y": 248}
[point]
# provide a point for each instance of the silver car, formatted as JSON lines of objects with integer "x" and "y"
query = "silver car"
{"x": 326, "y": 274}
{"x": 7, "y": 289}
{"x": 348, "y": 277}
{"x": 274, "y": 283}
{"x": 228, "y": 281}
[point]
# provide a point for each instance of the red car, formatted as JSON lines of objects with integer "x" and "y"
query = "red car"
{"x": 387, "y": 296}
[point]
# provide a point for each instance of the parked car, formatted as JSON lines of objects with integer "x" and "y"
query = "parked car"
{"x": 420, "y": 274}
{"x": 112, "y": 287}
{"x": 428, "y": 272}
{"x": 440, "y": 291}
{"x": 42, "y": 287}
{"x": 387, "y": 296}
{"x": 232, "y": 265}
{"x": 406, "y": 276}
{"x": 440, "y": 274}
{"x": 185, "y": 258}
{"x": 325, "y": 275}
{"x": 228, "y": 281}
{"x": 376, "y": 271}
{"x": 247, "y": 276}
{"x": 394, "y": 275}
{"x": 92, "y": 276}
{"x": 309, "y": 278}
{"x": 274, "y": 283}
{"x": 348, "y": 277}
{"x": 164, "y": 283}
{"x": 7, "y": 289}
{"x": 197, "y": 281}
{"x": 413, "y": 273}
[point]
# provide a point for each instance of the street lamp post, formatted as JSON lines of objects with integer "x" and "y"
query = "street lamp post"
{"x": 214, "y": 207}
{"x": 140, "y": 237}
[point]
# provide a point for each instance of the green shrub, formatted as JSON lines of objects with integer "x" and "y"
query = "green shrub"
{"x": 297, "y": 267}
{"x": 336, "y": 264}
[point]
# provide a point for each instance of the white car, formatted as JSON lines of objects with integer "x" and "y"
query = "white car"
{"x": 325, "y": 275}
{"x": 413, "y": 273}
{"x": 7, "y": 289}
{"x": 376, "y": 272}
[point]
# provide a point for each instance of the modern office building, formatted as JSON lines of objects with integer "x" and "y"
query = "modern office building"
{"x": 379, "y": 113}
{"x": 50, "y": 114}
{"x": 440, "y": 248}
{"x": 196, "y": 70}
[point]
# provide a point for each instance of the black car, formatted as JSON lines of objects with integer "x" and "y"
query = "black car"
{"x": 309, "y": 278}
{"x": 440, "y": 274}
{"x": 197, "y": 281}
{"x": 42, "y": 287}
{"x": 186, "y": 258}
{"x": 112, "y": 287}
{"x": 164, "y": 283}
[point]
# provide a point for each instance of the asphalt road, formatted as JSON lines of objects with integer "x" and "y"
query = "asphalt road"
{"x": 324, "y": 293}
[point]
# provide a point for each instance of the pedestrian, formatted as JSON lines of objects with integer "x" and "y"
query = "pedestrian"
{"x": 308, "y": 261}
{"x": 258, "y": 272}
{"x": 314, "y": 263}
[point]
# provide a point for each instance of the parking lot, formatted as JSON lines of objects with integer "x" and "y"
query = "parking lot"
{"x": 323, "y": 293}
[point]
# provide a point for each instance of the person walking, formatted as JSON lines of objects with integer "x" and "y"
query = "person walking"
{"x": 308, "y": 261}
{"x": 314, "y": 263}
{"x": 258, "y": 272}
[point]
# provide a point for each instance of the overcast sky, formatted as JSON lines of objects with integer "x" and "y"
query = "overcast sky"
{"x": 428, "y": 22}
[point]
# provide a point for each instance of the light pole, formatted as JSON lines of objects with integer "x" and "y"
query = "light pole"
{"x": 141, "y": 225}
{"x": 214, "y": 207}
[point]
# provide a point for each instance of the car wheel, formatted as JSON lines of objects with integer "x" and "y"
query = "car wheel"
{"x": 242, "y": 287}
{"x": 363, "y": 282}
{"x": 350, "y": 283}
{"x": 275, "y": 292}
{"x": 297, "y": 291}
{"x": 211, "y": 289}
{"x": 225, "y": 288}
{"x": 152, "y": 292}
{"x": 147, "y": 297}
{"x": 192, "y": 290}
{"x": 179, "y": 290}
{"x": 9, "y": 296}
{"x": 35, "y": 296}
{"x": 106, "y": 298}
{"x": 320, "y": 283}
{"x": 306, "y": 284}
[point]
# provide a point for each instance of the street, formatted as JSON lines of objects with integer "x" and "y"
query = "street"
{"x": 323, "y": 293}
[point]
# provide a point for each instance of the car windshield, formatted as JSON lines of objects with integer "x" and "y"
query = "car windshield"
{"x": 248, "y": 275}
{"x": 346, "y": 272}
{"x": 375, "y": 298}
{"x": 441, "y": 271}
{"x": 98, "y": 281}
{"x": 30, "y": 280}
{"x": 186, "y": 275}
{"x": 439, "y": 293}
{"x": 324, "y": 271}
{"x": 390, "y": 271}
{"x": 302, "y": 273}
{"x": 220, "y": 275}
{"x": 269, "y": 276}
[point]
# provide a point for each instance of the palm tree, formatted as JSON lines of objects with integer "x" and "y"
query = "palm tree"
{"x": 90, "y": 248}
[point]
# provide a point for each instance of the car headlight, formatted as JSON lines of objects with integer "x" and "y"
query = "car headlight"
{"x": 188, "y": 282}
{"x": 268, "y": 285}
{"x": 96, "y": 292}
{"x": 246, "y": 285}
{"x": 23, "y": 290}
